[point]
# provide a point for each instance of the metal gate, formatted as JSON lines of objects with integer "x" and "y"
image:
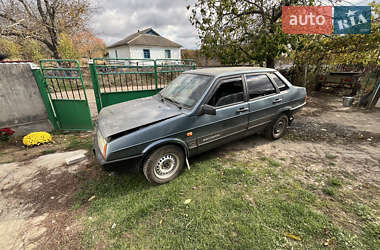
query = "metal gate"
{"x": 63, "y": 81}
{"x": 119, "y": 80}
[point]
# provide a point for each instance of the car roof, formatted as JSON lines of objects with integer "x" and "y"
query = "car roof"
{"x": 226, "y": 71}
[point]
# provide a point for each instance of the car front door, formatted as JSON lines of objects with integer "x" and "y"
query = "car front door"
{"x": 231, "y": 118}
{"x": 264, "y": 100}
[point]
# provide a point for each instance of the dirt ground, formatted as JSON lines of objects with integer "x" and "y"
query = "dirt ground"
{"x": 326, "y": 139}
{"x": 35, "y": 197}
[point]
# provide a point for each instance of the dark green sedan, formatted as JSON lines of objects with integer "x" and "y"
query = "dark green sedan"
{"x": 199, "y": 110}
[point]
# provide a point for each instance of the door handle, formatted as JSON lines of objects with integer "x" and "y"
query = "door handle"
{"x": 277, "y": 100}
{"x": 242, "y": 110}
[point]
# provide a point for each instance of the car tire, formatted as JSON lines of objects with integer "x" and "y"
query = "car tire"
{"x": 277, "y": 128}
{"x": 164, "y": 164}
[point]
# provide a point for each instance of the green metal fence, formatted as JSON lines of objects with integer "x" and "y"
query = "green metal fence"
{"x": 119, "y": 80}
{"x": 63, "y": 81}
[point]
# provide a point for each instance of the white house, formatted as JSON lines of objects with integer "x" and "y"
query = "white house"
{"x": 145, "y": 44}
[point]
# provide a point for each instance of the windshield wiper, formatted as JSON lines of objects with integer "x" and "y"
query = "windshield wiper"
{"x": 161, "y": 97}
{"x": 174, "y": 102}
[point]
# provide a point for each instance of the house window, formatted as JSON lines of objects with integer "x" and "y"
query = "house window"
{"x": 146, "y": 53}
{"x": 168, "y": 53}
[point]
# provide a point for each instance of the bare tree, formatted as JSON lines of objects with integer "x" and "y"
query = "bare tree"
{"x": 43, "y": 20}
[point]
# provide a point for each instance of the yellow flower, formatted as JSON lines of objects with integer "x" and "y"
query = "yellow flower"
{"x": 36, "y": 138}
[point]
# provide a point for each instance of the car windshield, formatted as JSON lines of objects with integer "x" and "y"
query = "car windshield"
{"x": 186, "y": 89}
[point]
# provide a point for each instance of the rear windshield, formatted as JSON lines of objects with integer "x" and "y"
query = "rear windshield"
{"x": 186, "y": 89}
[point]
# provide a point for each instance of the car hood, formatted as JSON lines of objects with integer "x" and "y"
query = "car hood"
{"x": 128, "y": 115}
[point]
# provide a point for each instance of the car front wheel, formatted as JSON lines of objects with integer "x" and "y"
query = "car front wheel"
{"x": 277, "y": 128}
{"x": 164, "y": 164}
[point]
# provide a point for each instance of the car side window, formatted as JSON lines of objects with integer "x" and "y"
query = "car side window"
{"x": 259, "y": 85}
{"x": 281, "y": 85}
{"x": 228, "y": 92}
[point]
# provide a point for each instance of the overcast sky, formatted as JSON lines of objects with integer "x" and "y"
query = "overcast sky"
{"x": 116, "y": 19}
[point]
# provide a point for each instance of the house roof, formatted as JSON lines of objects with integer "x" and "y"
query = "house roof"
{"x": 146, "y": 37}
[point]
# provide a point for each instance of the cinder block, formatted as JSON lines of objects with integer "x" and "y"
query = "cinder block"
{"x": 75, "y": 159}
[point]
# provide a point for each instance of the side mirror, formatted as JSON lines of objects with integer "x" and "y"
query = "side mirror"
{"x": 208, "y": 110}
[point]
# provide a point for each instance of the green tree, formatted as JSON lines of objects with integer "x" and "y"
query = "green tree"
{"x": 241, "y": 31}
{"x": 358, "y": 49}
{"x": 346, "y": 49}
{"x": 66, "y": 48}
{"x": 10, "y": 48}
{"x": 329, "y": 52}
{"x": 32, "y": 50}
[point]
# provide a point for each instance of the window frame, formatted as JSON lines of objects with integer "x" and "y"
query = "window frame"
{"x": 273, "y": 81}
{"x": 216, "y": 85}
{"x": 169, "y": 54}
{"x": 148, "y": 52}
{"x": 270, "y": 80}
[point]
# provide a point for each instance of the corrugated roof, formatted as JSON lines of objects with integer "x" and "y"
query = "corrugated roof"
{"x": 145, "y": 38}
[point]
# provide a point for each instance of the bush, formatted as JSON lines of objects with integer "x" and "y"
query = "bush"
{"x": 6, "y": 133}
{"x": 36, "y": 138}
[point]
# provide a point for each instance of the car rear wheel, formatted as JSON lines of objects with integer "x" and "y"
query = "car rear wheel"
{"x": 277, "y": 128}
{"x": 164, "y": 164}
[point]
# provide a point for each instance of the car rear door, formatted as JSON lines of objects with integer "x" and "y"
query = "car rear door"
{"x": 264, "y": 100}
{"x": 282, "y": 86}
{"x": 231, "y": 119}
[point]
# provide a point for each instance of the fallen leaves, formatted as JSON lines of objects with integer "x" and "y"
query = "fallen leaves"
{"x": 293, "y": 237}
{"x": 327, "y": 242}
{"x": 91, "y": 198}
{"x": 187, "y": 201}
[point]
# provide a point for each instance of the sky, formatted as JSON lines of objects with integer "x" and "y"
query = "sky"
{"x": 116, "y": 19}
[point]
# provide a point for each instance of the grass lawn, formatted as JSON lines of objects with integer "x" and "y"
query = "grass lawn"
{"x": 224, "y": 203}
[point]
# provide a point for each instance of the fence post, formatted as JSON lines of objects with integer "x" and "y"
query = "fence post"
{"x": 95, "y": 84}
{"x": 155, "y": 73}
{"x": 45, "y": 97}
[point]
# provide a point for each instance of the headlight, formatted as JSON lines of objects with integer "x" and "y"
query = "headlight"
{"x": 102, "y": 144}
